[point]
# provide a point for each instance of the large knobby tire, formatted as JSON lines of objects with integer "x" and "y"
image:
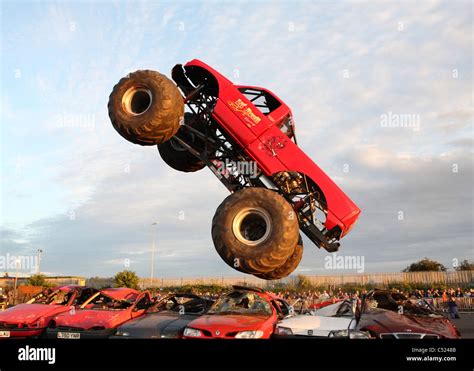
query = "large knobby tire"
{"x": 255, "y": 230}
{"x": 178, "y": 157}
{"x": 287, "y": 267}
{"x": 146, "y": 108}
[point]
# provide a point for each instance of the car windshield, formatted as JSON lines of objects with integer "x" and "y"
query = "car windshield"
{"x": 241, "y": 303}
{"x": 105, "y": 302}
{"x": 52, "y": 297}
{"x": 341, "y": 309}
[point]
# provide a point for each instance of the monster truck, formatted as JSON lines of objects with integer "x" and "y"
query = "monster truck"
{"x": 246, "y": 136}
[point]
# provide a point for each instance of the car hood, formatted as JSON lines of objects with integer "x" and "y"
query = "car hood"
{"x": 440, "y": 325}
{"x": 384, "y": 321}
{"x": 157, "y": 325}
{"x": 87, "y": 318}
{"x": 315, "y": 325}
{"x": 228, "y": 322}
{"x": 30, "y": 313}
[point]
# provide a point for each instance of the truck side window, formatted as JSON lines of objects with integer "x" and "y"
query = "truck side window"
{"x": 286, "y": 126}
{"x": 261, "y": 99}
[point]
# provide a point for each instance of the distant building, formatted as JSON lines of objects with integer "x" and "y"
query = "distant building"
{"x": 9, "y": 282}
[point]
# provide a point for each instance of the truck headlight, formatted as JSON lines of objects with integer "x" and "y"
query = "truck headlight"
{"x": 256, "y": 334}
{"x": 283, "y": 331}
{"x": 192, "y": 332}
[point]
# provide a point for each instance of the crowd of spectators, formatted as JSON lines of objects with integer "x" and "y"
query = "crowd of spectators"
{"x": 315, "y": 296}
{"x": 444, "y": 294}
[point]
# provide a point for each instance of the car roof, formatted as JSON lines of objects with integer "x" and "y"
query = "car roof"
{"x": 248, "y": 288}
{"x": 67, "y": 287}
{"x": 119, "y": 293}
{"x": 385, "y": 291}
{"x": 258, "y": 290}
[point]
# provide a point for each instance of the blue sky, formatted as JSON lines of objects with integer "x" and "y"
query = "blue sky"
{"x": 73, "y": 187}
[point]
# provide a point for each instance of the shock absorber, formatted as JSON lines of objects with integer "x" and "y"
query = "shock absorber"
{"x": 289, "y": 182}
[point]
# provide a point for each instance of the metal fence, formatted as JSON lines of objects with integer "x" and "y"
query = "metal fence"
{"x": 448, "y": 278}
{"x": 465, "y": 304}
{"x": 383, "y": 279}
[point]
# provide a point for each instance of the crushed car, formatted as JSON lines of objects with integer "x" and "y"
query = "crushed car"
{"x": 246, "y": 136}
{"x": 382, "y": 314}
{"x": 100, "y": 315}
{"x": 244, "y": 313}
{"x": 3, "y": 300}
{"x": 322, "y": 323}
{"x": 392, "y": 315}
{"x": 32, "y": 318}
{"x": 165, "y": 319}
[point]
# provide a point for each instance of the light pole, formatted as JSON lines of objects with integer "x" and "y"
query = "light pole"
{"x": 39, "y": 260}
{"x": 153, "y": 253}
{"x": 17, "y": 263}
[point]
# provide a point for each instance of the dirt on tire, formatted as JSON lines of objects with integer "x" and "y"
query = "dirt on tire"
{"x": 287, "y": 267}
{"x": 255, "y": 230}
{"x": 146, "y": 108}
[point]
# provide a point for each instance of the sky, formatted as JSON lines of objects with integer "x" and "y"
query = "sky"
{"x": 74, "y": 188}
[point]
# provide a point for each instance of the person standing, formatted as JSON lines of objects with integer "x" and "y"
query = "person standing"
{"x": 453, "y": 308}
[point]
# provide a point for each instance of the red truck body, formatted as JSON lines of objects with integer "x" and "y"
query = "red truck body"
{"x": 264, "y": 142}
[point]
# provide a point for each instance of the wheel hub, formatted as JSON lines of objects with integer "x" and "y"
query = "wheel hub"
{"x": 137, "y": 100}
{"x": 252, "y": 225}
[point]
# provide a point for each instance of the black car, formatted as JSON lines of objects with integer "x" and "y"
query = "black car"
{"x": 166, "y": 319}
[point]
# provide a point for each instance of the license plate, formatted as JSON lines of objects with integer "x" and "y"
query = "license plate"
{"x": 68, "y": 335}
{"x": 4, "y": 334}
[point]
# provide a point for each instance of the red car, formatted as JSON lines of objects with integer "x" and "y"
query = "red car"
{"x": 245, "y": 313}
{"x": 32, "y": 318}
{"x": 391, "y": 315}
{"x": 99, "y": 316}
{"x": 246, "y": 136}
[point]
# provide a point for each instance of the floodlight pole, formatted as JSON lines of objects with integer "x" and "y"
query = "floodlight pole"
{"x": 40, "y": 252}
{"x": 153, "y": 253}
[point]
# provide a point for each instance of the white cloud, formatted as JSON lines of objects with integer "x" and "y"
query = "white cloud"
{"x": 117, "y": 189}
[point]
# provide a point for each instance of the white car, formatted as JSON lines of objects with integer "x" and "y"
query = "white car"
{"x": 334, "y": 320}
